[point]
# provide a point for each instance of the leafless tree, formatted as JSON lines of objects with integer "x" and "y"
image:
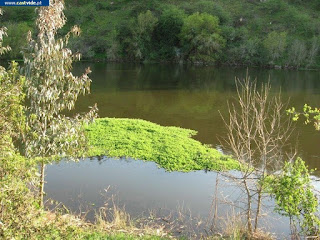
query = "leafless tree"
{"x": 258, "y": 131}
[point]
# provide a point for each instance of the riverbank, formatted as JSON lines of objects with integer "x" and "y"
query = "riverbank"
{"x": 5, "y": 62}
{"x": 21, "y": 217}
{"x": 170, "y": 147}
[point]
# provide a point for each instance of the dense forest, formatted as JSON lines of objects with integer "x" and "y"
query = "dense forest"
{"x": 268, "y": 33}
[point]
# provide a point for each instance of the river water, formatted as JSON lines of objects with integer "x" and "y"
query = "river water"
{"x": 172, "y": 95}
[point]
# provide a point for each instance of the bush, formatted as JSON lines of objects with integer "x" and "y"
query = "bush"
{"x": 19, "y": 14}
{"x": 274, "y": 6}
{"x": 313, "y": 52}
{"x": 298, "y": 22}
{"x": 200, "y": 37}
{"x": 135, "y": 36}
{"x": 17, "y": 36}
{"x": 241, "y": 48}
{"x": 275, "y": 43}
{"x": 210, "y": 7}
{"x": 166, "y": 33}
{"x": 18, "y": 206}
{"x": 294, "y": 196}
{"x": 16, "y": 173}
{"x": 297, "y": 53}
{"x": 250, "y": 52}
{"x": 11, "y": 110}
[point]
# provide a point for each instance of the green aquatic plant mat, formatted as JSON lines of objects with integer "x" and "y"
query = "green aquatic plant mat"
{"x": 170, "y": 147}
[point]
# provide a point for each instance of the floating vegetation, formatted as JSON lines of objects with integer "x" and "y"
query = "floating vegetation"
{"x": 170, "y": 147}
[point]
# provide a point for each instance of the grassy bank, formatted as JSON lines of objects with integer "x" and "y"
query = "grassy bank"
{"x": 22, "y": 218}
{"x": 170, "y": 147}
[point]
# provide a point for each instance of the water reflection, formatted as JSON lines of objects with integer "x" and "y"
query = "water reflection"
{"x": 173, "y": 95}
{"x": 192, "y": 96}
{"x": 168, "y": 77}
{"x": 142, "y": 186}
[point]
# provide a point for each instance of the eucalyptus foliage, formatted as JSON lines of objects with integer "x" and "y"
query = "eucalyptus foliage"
{"x": 52, "y": 89}
{"x": 3, "y": 32}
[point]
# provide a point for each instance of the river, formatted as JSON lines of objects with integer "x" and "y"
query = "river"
{"x": 172, "y": 95}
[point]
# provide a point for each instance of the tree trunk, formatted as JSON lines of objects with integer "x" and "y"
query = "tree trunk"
{"x": 258, "y": 209}
{"x": 248, "y": 208}
{"x": 41, "y": 192}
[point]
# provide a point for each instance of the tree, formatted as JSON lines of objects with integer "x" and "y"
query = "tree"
{"x": 257, "y": 132}
{"x": 313, "y": 51}
{"x": 297, "y": 53}
{"x": 211, "y": 7}
{"x": 51, "y": 89}
{"x": 249, "y": 51}
{"x": 275, "y": 43}
{"x": 200, "y": 37}
{"x": 3, "y": 32}
{"x": 17, "y": 33}
{"x": 138, "y": 43}
{"x": 166, "y": 33}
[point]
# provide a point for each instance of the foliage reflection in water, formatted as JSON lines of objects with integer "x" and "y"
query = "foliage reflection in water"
{"x": 173, "y": 95}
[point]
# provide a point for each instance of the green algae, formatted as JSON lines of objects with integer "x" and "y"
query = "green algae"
{"x": 170, "y": 147}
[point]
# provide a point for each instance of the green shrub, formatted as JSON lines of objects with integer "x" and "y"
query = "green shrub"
{"x": 19, "y": 14}
{"x": 136, "y": 35}
{"x": 294, "y": 196}
{"x": 274, "y": 6}
{"x": 17, "y": 36}
{"x": 241, "y": 48}
{"x": 18, "y": 206}
{"x": 166, "y": 33}
{"x": 16, "y": 173}
{"x": 211, "y": 7}
{"x": 249, "y": 51}
{"x": 297, "y": 53}
{"x": 275, "y": 43}
{"x": 200, "y": 37}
